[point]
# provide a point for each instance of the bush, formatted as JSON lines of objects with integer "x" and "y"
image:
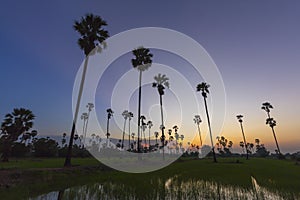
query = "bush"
{"x": 45, "y": 147}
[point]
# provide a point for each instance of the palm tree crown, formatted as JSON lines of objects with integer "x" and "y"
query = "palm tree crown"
{"x": 143, "y": 58}
{"x": 161, "y": 83}
{"x": 110, "y": 113}
{"x": 92, "y": 33}
{"x": 203, "y": 87}
{"x": 267, "y": 106}
{"x": 197, "y": 119}
{"x": 240, "y": 118}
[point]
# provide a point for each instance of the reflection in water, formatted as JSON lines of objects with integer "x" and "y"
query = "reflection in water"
{"x": 172, "y": 188}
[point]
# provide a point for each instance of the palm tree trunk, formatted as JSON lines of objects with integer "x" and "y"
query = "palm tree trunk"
{"x": 139, "y": 110}
{"x": 149, "y": 137}
{"x": 208, "y": 121}
{"x": 86, "y": 125}
{"x": 122, "y": 146}
{"x": 246, "y": 146}
{"x": 69, "y": 154}
{"x": 162, "y": 123}
{"x": 129, "y": 146}
{"x": 83, "y": 131}
{"x": 200, "y": 135}
{"x": 276, "y": 140}
{"x": 107, "y": 127}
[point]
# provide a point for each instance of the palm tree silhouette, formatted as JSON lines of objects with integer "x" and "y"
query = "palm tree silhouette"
{"x": 176, "y": 134}
{"x": 197, "y": 120}
{"x": 156, "y": 134}
{"x": 203, "y": 87}
{"x": 89, "y": 106}
{"x": 110, "y": 113}
{"x": 143, "y": 127}
{"x": 142, "y": 61}
{"x": 132, "y": 136}
{"x": 161, "y": 81}
{"x": 270, "y": 121}
{"x": 84, "y": 117}
{"x": 170, "y": 133}
{"x": 125, "y": 114}
{"x": 240, "y": 119}
{"x": 130, "y": 116}
{"x": 14, "y": 125}
{"x": 149, "y": 124}
{"x": 92, "y": 34}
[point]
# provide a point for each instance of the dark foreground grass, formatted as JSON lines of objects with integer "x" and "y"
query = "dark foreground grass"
{"x": 40, "y": 176}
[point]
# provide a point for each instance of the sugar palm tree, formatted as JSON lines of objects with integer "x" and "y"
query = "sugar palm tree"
{"x": 240, "y": 119}
{"x": 125, "y": 114}
{"x": 149, "y": 124}
{"x": 15, "y": 125}
{"x": 142, "y": 61}
{"x": 270, "y": 121}
{"x": 90, "y": 107}
{"x": 197, "y": 120}
{"x": 92, "y": 32}
{"x": 156, "y": 134}
{"x": 203, "y": 88}
{"x": 110, "y": 113}
{"x": 161, "y": 81}
{"x": 130, "y": 116}
{"x": 84, "y": 117}
{"x": 132, "y": 136}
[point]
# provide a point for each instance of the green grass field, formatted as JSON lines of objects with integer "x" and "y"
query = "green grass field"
{"x": 273, "y": 174}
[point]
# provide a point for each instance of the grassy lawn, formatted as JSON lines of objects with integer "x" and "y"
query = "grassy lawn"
{"x": 274, "y": 174}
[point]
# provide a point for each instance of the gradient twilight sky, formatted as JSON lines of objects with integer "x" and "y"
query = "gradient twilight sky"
{"x": 255, "y": 45}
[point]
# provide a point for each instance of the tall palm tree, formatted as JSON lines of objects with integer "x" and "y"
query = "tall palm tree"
{"x": 84, "y": 117}
{"x": 125, "y": 114}
{"x": 197, "y": 120}
{"x": 91, "y": 29}
{"x": 110, "y": 113}
{"x": 143, "y": 127}
{"x": 142, "y": 61}
{"x": 270, "y": 121}
{"x": 132, "y": 136}
{"x": 156, "y": 134}
{"x": 130, "y": 116}
{"x": 170, "y": 133}
{"x": 240, "y": 119}
{"x": 149, "y": 124}
{"x": 176, "y": 134}
{"x": 90, "y": 107}
{"x": 15, "y": 125}
{"x": 161, "y": 81}
{"x": 203, "y": 87}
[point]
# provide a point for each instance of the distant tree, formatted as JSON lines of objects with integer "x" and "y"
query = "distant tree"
{"x": 261, "y": 150}
{"x": 149, "y": 124}
{"x": 45, "y": 147}
{"x": 156, "y": 134}
{"x": 203, "y": 87}
{"x": 271, "y": 122}
{"x": 223, "y": 145}
{"x": 161, "y": 82}
{"x": 141, "y": 62}
{"x": 240, "y": 119}
{"x": 197, "y": 120}
{"x": 109, "y": 115}
{"x": 130, "y": 116}
{"x": 15, "y": 125}
{"x": 125, "y": 114}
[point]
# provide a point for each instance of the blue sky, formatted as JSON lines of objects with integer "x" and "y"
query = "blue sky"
{"x": 255, "y": 45}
